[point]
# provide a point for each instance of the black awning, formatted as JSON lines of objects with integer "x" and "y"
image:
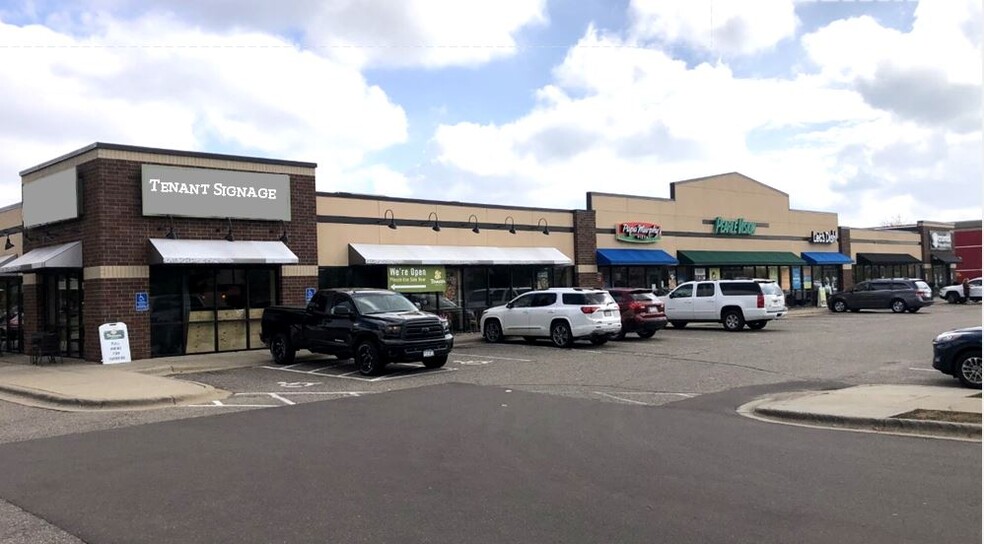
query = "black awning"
{"x": 946, "y": 257}
{"x": 886, "y": 258}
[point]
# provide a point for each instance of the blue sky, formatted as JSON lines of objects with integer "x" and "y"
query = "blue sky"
{"x": 867, "y": 108}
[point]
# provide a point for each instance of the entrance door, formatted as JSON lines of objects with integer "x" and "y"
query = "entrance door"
{"x": 62, "y": 304}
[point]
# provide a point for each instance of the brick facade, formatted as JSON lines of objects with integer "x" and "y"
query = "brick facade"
{"x": 844, "y": 245}
{"x": 585, "y": 247}
{"x": 114, "y": 232}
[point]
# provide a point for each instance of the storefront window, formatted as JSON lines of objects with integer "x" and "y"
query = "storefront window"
{"x": 637, "y": 276}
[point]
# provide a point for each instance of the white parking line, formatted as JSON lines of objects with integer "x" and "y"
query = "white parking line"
{"x": 924, "y": 369}
{"x": 502, "y": 358}
{"x": 406, "y": 373}
{"x": 277, "y": 396}
{"x": 281, "y": 399}
{"x": 620, "y": 398}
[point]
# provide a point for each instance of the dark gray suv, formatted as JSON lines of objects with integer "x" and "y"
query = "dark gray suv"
{"x": 897, "y": 294}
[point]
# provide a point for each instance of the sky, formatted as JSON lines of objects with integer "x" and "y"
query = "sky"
{"x": 867, "y": 108}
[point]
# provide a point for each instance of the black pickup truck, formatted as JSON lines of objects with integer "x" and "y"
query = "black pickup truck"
{"x": 372, "y": 326}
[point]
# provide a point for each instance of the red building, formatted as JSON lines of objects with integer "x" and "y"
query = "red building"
{"x": 967, "y": 246}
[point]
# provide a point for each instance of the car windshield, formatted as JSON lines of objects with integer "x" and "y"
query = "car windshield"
{"x": 643, "y": 296}
{"x": 380, "y": 303}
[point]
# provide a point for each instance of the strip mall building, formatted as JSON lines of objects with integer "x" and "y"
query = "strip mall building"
{"x": 188, "y": 248}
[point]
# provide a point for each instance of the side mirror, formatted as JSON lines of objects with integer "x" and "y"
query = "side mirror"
{"x": 341, "y": 311}
{"x": 509, "y": 305}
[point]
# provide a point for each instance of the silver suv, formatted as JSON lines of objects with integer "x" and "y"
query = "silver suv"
{"x": 563, "y": 315}
{"x": 733, "y": 303}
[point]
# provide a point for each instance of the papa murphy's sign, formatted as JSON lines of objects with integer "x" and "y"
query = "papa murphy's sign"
{"x": 638, "y": 233}
{"x": 416, "y": 279}
{"x": 203, "y": 192}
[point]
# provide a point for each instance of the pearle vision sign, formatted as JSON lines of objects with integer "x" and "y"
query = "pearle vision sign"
{"x": 203, "y": 192}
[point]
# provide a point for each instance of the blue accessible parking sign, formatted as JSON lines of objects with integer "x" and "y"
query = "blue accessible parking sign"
{"x": 309, "y": 294}
{"x": 142, "y": 302}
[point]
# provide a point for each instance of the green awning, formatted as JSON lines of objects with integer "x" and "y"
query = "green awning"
{"x": 739, "y": 258}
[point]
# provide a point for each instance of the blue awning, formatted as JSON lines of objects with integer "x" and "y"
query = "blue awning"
{"x": 655, "y": 257}
{"x": 825, "y": 257}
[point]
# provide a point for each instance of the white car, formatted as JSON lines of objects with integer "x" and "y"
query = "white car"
{"x": 563, "y": 315}
{"x": 955, "y": 293}
{"x": 733, "y": 303}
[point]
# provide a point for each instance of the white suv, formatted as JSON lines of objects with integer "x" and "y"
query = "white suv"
{"x": 562, "y": 314}
{"x": 733, "y": 303}
{"x": 955, "y": 293}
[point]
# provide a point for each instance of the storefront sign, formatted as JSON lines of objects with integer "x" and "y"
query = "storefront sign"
{"x": 733, "y": 226}
{"x": 638, "y": 233}
{"x": 51, "y": 198}
{"x": 201, "y": 192}
{"x": 940, "y": 239}
{"x": 416, "y": 279}
{"x": 114, "y": 343}
{"x": 823, "y": 237}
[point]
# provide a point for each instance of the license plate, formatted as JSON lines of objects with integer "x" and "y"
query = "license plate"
{"x": 650, "y": 310}
{"x": 608, "y": 313}
{"x": 428, "y": 353}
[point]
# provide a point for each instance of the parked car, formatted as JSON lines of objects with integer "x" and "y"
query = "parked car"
{"x": 897, "y": 294}
{"x": 373, "y": 326}
{"x": 958, "y": 353}
{"x": 444, "y": 307}
{"x": 733, "y": 303}
{"x": 955, "y": 293}
{"x": 562, "y": 314}
{"x": 642, "y": 311}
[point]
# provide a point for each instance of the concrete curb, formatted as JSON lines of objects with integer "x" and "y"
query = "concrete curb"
{"x": 48, "y": 399}
{"x": 966, "y": 431}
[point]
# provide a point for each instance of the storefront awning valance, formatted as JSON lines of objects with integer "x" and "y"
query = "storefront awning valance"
{"x": 739, "y": 258}
{"x": 455, "y": 255}
{"x": 167, "y": 251}
{"x": 637, "y": 257}
{"x": 945, "y": 257}
{"x": 886, "y": 258}
{"x": 61, "y": 256}
{"x": 825, "y": 257}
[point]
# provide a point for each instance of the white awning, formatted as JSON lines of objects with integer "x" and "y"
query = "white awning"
{"x": 454, "y": 255}
{"x": 61, "y": 256}
{"x": 167, "y": 251}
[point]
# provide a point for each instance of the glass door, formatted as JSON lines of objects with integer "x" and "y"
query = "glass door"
{"x": 62, "y": 302}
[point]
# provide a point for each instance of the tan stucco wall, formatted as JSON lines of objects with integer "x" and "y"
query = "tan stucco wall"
{"x": 333, "y": 238}
{"x": 885, "y": 241}
{"x": 11, "y": 217}
{"x": 730, "y": 196}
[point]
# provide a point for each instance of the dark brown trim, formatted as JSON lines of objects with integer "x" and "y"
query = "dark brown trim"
{"x": 168, "y": 152}
{"x": 379, "y": 221}
{"x": 357, "y": 196}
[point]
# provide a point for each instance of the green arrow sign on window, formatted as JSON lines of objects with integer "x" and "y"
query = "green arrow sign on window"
{"x": 416, "y": 279}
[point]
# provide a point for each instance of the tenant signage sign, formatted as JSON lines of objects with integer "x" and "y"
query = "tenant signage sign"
{"x": 638, "y": 233}
{"x": 204, "y": 192}
{"x": 939, "y": 239}
{"x": 416, "y": 279}
{"x": 823, "y": 236}
{"x": 733, "y": 226}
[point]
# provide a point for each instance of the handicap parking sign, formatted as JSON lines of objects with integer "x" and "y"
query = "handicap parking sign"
{"x": 309, "y": 294}
{"x": 143, "y": 301}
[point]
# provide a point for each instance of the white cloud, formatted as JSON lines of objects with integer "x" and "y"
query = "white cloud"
{"x": 722, "y": 27}
{"x": 274, "y": 101}
{"x": 629, "y": 120}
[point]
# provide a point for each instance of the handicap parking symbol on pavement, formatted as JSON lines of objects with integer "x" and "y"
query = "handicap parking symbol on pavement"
{"x": 142, "y": 301}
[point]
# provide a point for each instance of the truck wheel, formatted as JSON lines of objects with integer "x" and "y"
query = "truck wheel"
{"x": 436, "y": 361}
{"x": 733, "y": 321}
{"x": 898, "y": 306}
{"x": 952, "y": 297}
{"x": 492, "y": 332}
{"x": 368, "y": 359}
{"x": 281, "y": 350}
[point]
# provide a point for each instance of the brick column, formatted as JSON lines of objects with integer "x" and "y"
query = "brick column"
{"x": 585, "y": 245}
{"x": 31, "y": 309}
{"x": 844, "y": 246}
{"x": 113, "y": 300}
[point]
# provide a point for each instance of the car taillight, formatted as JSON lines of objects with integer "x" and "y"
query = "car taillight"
{"x": 760, "y": 301}
{"x": 589, "y": 309}
{"x": 637, "y": 307}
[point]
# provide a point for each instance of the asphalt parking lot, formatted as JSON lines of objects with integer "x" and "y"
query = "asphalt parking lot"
{"x": 867, "y": 347}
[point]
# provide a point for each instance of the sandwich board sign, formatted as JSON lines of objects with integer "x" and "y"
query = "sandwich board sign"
{"x": 115, "y": 343}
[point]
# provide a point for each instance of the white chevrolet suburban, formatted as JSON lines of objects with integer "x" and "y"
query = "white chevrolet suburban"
{"x": 733, "y": 303}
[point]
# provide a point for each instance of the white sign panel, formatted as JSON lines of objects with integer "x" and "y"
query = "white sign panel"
{"x": 51, "y": 198}
{"x": 204, "y": 192}
{"x": 115, "y": 343}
